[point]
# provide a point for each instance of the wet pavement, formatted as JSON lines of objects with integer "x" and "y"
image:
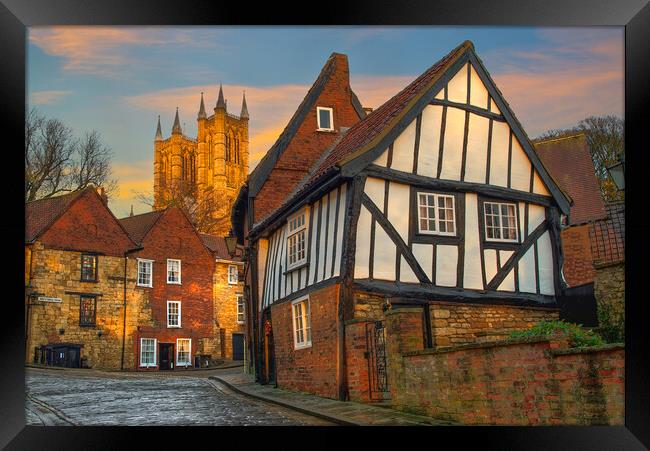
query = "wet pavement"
{"x": 86, "y": 397}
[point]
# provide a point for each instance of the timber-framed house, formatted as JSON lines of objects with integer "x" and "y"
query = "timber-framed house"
{"x": 436, "y": 200}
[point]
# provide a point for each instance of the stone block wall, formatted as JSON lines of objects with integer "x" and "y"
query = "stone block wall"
{"x": 512, "y": 382}
{"x": 455, "y": 323}
{"x": 225, "y": 308}
{"x": 311, "y": 369}
{"x": 57, "y": 273}
{"x": 609, "y": 291}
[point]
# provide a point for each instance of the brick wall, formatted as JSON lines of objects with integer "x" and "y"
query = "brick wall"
{"x": 174, "y": 237}
{"x": 308, "y": 144}
{"x": 311, "y": 369}
{"x": 578, "y": 261}
{"x": 225, "y": 306}
{"x": 454, "y": 323}
{"x": 515, "y": 382}
{"x": 57, "y": 273}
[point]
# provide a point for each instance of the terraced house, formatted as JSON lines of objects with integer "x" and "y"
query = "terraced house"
{"x": 435, "y": 200}
{"x": 147, "y": 292}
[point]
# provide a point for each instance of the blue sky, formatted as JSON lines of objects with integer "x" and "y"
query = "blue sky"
{"x": 116, "y": 80}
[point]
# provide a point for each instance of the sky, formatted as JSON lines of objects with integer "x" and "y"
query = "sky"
{"x": 117, "y": 80}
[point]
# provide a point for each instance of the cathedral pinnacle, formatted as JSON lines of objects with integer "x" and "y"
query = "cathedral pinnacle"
{"x": 158, "y": 131}
{"x": 221, "y": 103}
{"x": 244, "y": 108}
{"x": 202, "y": 114}
{"x": 177, "y": 124}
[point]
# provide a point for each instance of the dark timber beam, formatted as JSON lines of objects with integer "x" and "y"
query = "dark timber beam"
{"x": 456, "y": 186}
{"x": 471, "y": 108}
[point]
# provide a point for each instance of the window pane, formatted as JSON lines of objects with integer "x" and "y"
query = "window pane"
{"x": 87, "y": 311}
{"x": 88, "y": 267}
{"x": 324, "y": 119}
{"x": 423, "y": 224}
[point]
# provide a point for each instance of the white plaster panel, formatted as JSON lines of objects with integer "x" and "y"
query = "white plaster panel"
{"x": 508, "y": 283}
{"x": 423, "y": 253}
{"x": 490, "y": 256}
{"x": 538, "y": 185}
{"x": 406, "y": 274}
{"x": 385, "y": 256}
{"x": 429, "y": 141}
{"x": 494, "y": 108}
{"x": 536, "y": 214}
{"x": 303, "y": 278}
{"x": 519, "y": 167}
{"x": 282, "y": 267}
{"x": 339, "y": 230}
{"x": 330, "y": 234}
{"x": 472, "y": 271}
{"x": 321, "y": 244}
{"x": 440, "y": 95}
{"x": 362, "y": 254}
{"x": 446, "y": 265}
{"x": 457, "y": 87}
{"x": 478, "y": 94}
{"x": 452, "y": 156}
{"x": 504, "y": 256}
{"x": 477, "y": 139}
{"x": 262, "y": 250}
{"x": 527, "y": 277}
{"x": 404, "y": 149}
{"x": 499, "y": 154}
{"x": 375, "y": 189}
{"x": 522, "y": 215}
{"x": 314, "y": 243}
{"x": 545, "y": 261}
{"x": 382, "y": 160}
{"x": 398, "y": 208}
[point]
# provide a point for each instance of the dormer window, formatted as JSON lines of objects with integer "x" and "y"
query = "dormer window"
{"x": 325, "y": 118}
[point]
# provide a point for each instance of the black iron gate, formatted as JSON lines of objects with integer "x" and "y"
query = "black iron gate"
{"x": 376, "y": 355}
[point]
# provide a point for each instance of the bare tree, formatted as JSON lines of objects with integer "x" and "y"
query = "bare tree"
{"x": 605, "y": 135}
{"x": 206, "y": 212}
{"x": 56, "y": 161}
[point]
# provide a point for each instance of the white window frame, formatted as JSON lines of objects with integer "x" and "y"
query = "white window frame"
{"x": 306, "y": 343}
{"x": 485, "y": 225}
{"x": 179, "y": 271}
{"x": 145, "y": 261}
{"x": 189, "y": 353}
{"x": 174, "y": 326}
{"x": 437, "y": 221}
{"x": 331, "y": 114}
{"x": 155, "y": 353}
{"x": 240, "y": 301}
{"x": 302, "y": 229}
{"x": 233, "y": 276}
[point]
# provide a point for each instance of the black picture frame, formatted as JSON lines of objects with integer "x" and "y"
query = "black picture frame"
{"x": 16, "y": 15}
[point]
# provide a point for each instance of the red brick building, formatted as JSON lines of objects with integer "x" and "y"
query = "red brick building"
{"x": 175, "y": 271}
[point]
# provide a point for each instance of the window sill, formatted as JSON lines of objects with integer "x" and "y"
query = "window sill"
{"x": 173, "y": 327}
{"x": 325, "y": 130}
{"x": 294, "y": 268}
{"x": 149, "y": 366}
{"x": 232, "y": 283}
{"x": 173, "y": 283}
{"x": 305, "y": 346}
{"x": 144, "y": 286}
{"x": 89, "y": 281}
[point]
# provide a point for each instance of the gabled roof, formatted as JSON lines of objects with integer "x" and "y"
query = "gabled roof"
{"x": 266, "y": 165}
{"x": 569, "y": 163}
{"x": 217, "y": 245}
{"x": 41, "y": 214}
{"x": 138, "y": 226}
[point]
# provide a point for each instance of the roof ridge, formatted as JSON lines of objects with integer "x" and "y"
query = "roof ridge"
{"x": 159, "y": 210}
{"x": 74, "y": 192}
{"x": 576, "y": 135}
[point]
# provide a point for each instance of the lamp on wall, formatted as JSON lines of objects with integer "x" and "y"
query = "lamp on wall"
{"x": 231, "y": 243}
{"x": 617, "y": 172}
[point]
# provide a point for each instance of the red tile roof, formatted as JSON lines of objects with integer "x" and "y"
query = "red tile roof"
{"x": 41, "y": 214}
{"x": 217, "y": 244}
{"x": 138, "y": 226}
{"x": 608, "y": 236}
{"x": 568, "y": 161}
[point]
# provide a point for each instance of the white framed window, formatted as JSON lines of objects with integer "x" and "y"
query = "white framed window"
{"x": 240, "y": 309}
{"x": 173, "y": 271}
{"x": 233, "y": 274}
{"x": 297, "y": 239}
{"x": 436, "y": 214}
{"x": 147, "y": 352}
{"x": 301, "y": 323}
{"x": 325, "y": 118}
{"x": 500, "y": 221}
{"x": 145, "y": 272}
{"x": 183, "y": 352}
{"x": 173, "y": 314}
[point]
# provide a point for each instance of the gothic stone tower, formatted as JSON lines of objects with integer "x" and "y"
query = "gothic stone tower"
{"x": 212, "y": 166}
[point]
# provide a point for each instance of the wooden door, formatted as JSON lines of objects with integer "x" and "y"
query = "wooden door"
{"x": 166, "y": 353}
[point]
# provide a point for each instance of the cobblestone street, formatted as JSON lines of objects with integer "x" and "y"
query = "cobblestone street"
{"x": 78, "y": 397}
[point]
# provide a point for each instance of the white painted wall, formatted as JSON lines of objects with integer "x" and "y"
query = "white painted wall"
{"x": 472, "y": 271}
{"x": 429, "y": 148}
{"x": 453, "y": 144}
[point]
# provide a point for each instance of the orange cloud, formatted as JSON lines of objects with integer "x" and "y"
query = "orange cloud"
{"x": 133, "y": 178}
{"x": 46, "y": 97}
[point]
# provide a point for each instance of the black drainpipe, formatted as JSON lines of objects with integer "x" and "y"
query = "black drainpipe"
{"x": 124, "y": 316}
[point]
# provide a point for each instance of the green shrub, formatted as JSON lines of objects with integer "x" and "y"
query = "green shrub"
{"x": 577, "y": 336}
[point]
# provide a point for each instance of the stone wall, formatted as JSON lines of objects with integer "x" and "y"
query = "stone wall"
{"x": 513, "y": 382}
{"x": 609, "y": 290}
{"x": 311, "y": 369}
{"x": 57, "y": 273}
{"x": 455, "y": 323}
{"x": 225, "y": 308}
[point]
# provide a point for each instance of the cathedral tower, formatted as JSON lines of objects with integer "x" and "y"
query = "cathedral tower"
{"x": 210, "y": 168}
